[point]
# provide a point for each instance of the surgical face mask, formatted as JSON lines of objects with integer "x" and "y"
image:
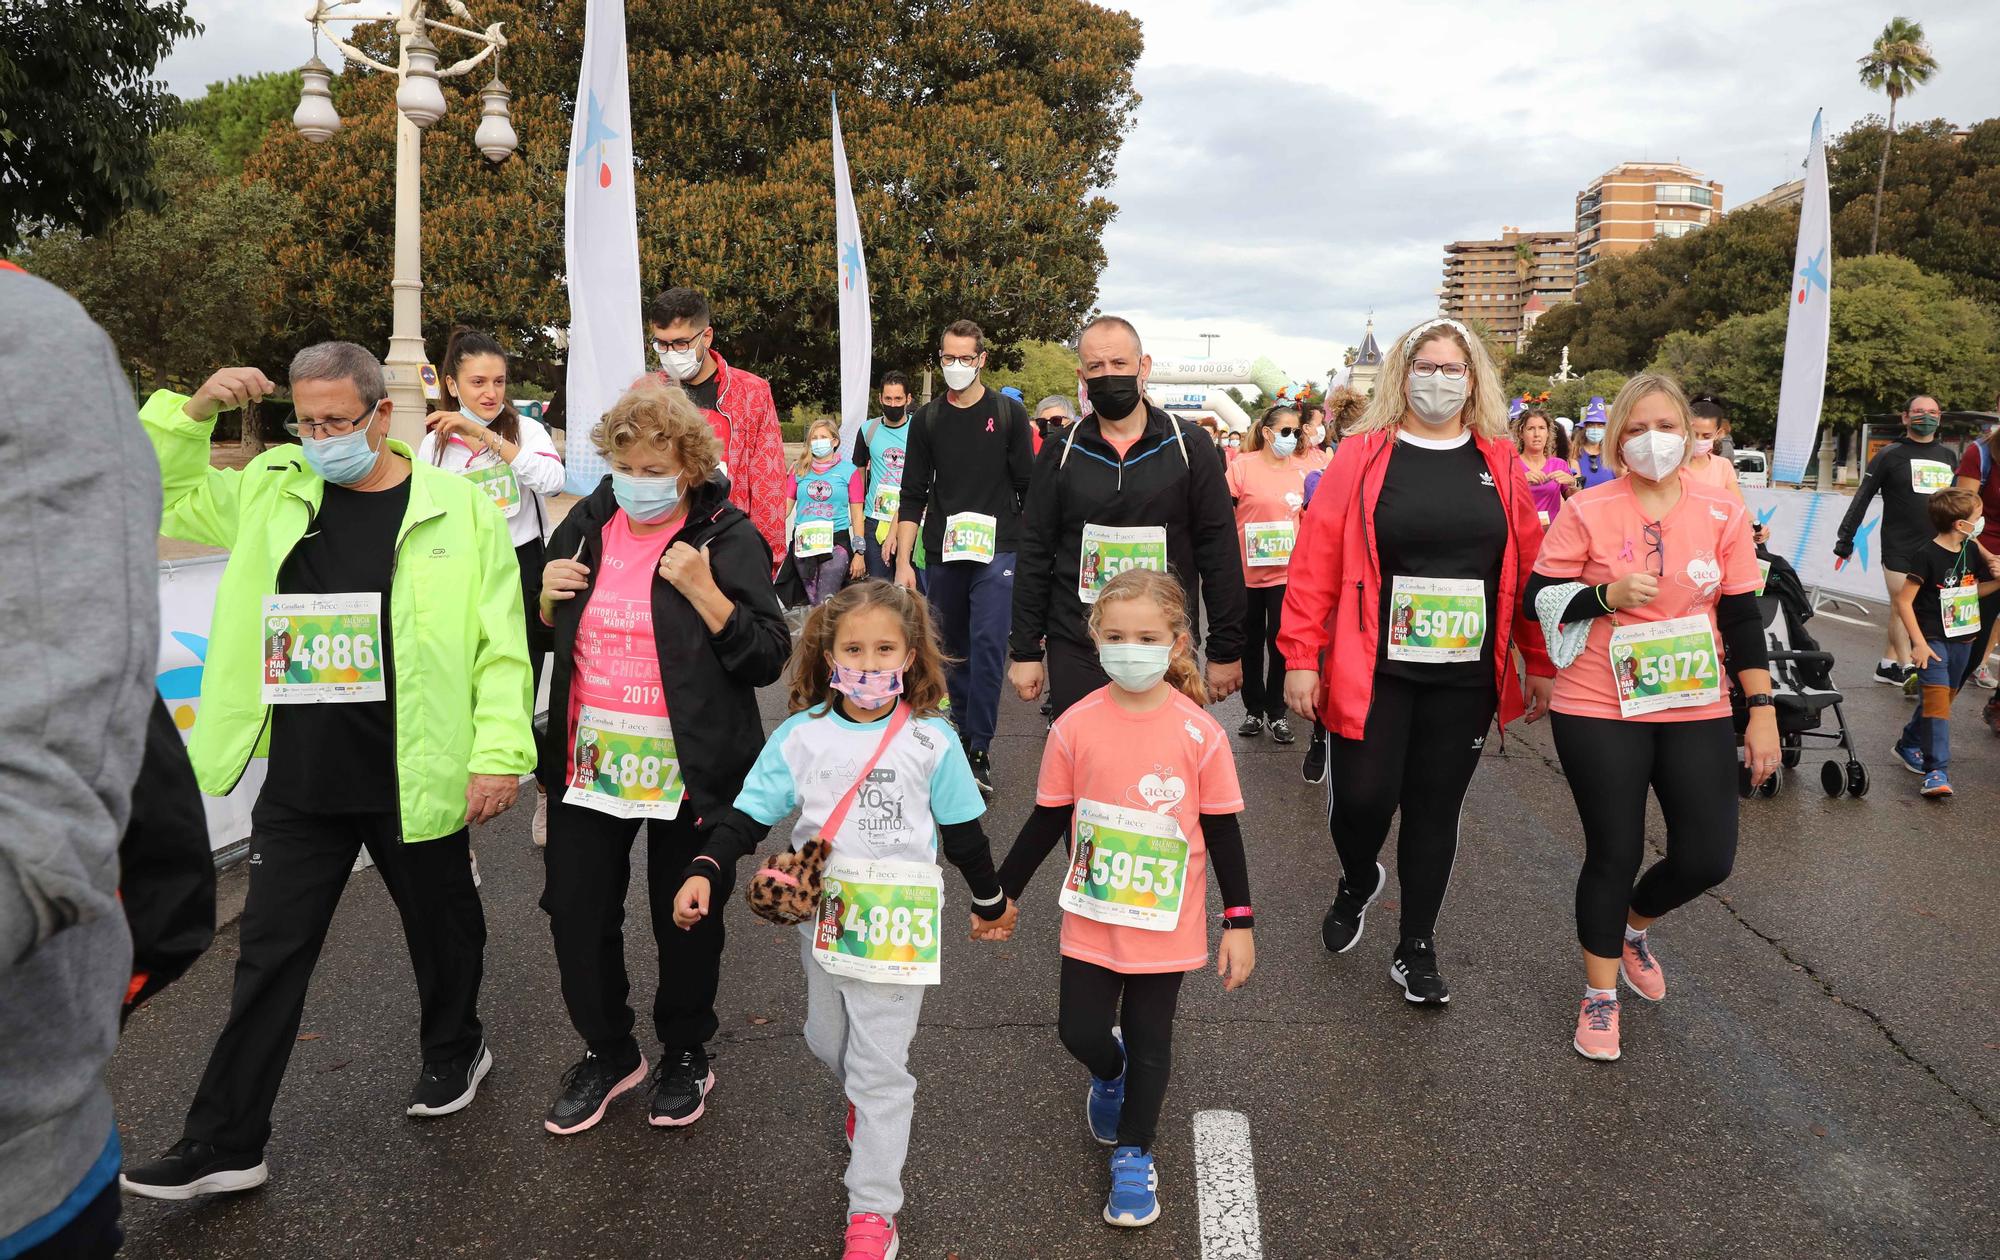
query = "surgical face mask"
{"x": 1703, "y": 446}
{"x": 1285, "y": 446}
{"x": 1655, "y": 454}
{"x": 646, "y": 499}
{"x": 1437, "y": 399}
{"x": 342, "y": 460}
{"x": 960, "y": 375}
{"x": 1923, "y": 425}
{"x": 682, "y": 365}
{"x": 822, "y": 447}
{"x": 474, "y": 416}
{"x": 869, "y": 688}
{"x": 1975, "y": 527}
{"x": 1593, "y": 434}
{"x": 1135, "y": 666}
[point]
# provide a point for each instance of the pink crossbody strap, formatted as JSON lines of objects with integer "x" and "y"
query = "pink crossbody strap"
{"x": 838, "y": 815}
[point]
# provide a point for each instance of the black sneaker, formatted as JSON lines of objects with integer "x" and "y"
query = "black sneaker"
{"x": 1349, "y": 913}
{"x": 982, "y": 770}
{"x": 1891, "y": 674}
{"x": 1416, "y": 969}
{"x": 1281, "y": 731}
{"x": 1314, "y": 768}
{"x": 680, "y": 1088}
{"x": 1252, "y": 727}
{"x": 588, "y": 1088}
{"x": 443, "y": 1088}
{"x": 191, "y": 1169}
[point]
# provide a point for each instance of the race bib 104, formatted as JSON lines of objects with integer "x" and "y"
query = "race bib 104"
{"x": 1927, "y": 476}
{"x": 1436, "y": 620}
{"x": 880, "y": 921}
{"x": 970, "y": 536}
{"x": 814, "y": 538}
{"x": 1108, "y": 552}
{"x": 1665, "y": 665}
{"x": 1959, "y": 609}
{"x": 1128, "y": 867}
{"x": 500, "y": 485}
{"x": 625, "y": 765}
{"x": 323, "y": 649}
{"x": 1267, "y": 544}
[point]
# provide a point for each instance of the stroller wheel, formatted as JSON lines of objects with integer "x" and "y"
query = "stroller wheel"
{"x": 1857, "y": 779}
{"x": 1769, "y": 787}
{"x": 1831, "y": 779}
{"x": 1791, "y": 748}
{"x": 1743, "y": 788}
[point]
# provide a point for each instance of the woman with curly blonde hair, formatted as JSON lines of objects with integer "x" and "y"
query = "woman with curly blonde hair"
{"x": 665, "y": 626}
{"x": 1406, "y": 575}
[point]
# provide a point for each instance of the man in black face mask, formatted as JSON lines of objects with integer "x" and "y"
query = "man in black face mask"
{"x": 1130, "y": 487}
{"x": 879, "y": 448}
{"x": 1906, "y": 473}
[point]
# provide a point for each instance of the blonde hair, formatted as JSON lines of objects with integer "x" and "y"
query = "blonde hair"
{"x": 1167, "y": 594}
{"x": 663, "y": 418}
{"x": 1485, "y": 404}
{"x": 1254, "y": 439}
{"x": 832, "y": 427}
{"x": 923, "y": 680}
{"x": 1643, "y": 386}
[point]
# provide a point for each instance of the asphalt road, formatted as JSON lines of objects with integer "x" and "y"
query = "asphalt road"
{"x": 1820, "y": 1081}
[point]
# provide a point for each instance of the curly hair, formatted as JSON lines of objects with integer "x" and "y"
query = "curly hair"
{"x": 660, "y": 417}
{"x": 1343, "y": 410}
{"x": 812, "y": 676}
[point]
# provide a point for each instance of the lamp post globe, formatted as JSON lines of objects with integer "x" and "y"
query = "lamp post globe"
{"x": 419, "y": 96}
{"x": 316, "y": 118}
{"x": 495, "y": 138}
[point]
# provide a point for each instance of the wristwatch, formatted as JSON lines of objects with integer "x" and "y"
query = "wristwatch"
{"x": 1762, "y": 700}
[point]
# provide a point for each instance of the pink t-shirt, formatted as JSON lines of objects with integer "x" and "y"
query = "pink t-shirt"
{"x": 1717, "y": 472}
{"x": 1602, "y": 535}
{"x": 617, "y": 661}
{"x": 1175, "y": 760}
{"x": 1266, "y": 491}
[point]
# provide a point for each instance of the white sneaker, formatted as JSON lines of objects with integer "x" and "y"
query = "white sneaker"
{"x": 538, "y": 827}
{"x": 475, "y": 866}
{"x": 1984, "y": 677}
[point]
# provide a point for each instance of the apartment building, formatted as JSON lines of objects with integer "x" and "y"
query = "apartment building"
{"x": 1493, "y": 281}
{"x": 1636, "y": 203}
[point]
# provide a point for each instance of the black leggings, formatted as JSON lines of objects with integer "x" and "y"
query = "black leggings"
{"x": 1691, "y": 767}
{"x": 1420, "y": 747}
{"x": 1089, "y": 1008}
{"x": 1263, "y": 666}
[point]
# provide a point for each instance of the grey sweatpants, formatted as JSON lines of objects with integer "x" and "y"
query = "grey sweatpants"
{"x": 862, "y": 1030}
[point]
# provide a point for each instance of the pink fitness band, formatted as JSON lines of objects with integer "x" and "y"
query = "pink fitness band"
{"x": 1236, "y": 912}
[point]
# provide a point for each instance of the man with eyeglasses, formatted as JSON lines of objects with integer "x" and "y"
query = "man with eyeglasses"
{"x": 1905, "y": 473}
{"x": 368, "y": 635}
{"x": 963, "y": 480}
{"x": 1129, "y": 486}
{"x": 738, "y": 405}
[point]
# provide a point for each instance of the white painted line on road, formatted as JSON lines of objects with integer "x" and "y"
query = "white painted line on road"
{"x": 1852, "y": 621}
{"x": 1226, "y": 1181}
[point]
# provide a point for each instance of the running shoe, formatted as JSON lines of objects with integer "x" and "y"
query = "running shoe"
{"x": 1597, "y": 1029}
{"x": 1641, "y": 971}
{"x": 538, "y": 826}
{"x": 1891, "y": 673}
{"x": 982, "y": 770}
{"x": 1935, "y": 784}
{"x": 191, "y": 1169}
{"x": 680, "y": 1089}
{"x": 1107, "y": 1100}
{"x": 443, "y": 1088}
{"x": 1984, "y": 677}
{"x": 473, "y": 854}
{"x": 588, "y": 1088}
{"x": 1135, "y": 1184}
{"x": 1912, "y": 760}
{"x": 1416, "y": 969}
{"x": 1281, "y": 731}
{"x": 871, "y": 1237}
{"x": 1314, "y": 769}
{"x": 1252, "y": 727}
{"x": 1349, "y": 913}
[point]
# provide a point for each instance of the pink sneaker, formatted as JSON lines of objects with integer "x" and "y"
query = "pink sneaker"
{"x": 870, "y": 1237}
{"x": 1597, "y": 1029}
{"x": 1641, "y": 971}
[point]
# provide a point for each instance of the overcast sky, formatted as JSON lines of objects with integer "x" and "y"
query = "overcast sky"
{"x": 1297, "y": 163}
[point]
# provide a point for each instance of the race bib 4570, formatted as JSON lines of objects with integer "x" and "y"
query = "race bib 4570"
{"x": 323, "y": 649}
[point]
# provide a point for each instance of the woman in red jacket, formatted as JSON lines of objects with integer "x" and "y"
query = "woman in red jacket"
{"x": 1407, "y": 574}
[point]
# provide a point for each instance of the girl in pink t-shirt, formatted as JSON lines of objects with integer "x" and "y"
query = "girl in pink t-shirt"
{"x": 1662, "y": 568}
{"x": 1144, "y": 780}
{"x": 1268, "y": 483}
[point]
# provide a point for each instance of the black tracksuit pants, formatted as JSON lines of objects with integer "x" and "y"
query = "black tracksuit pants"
{"x": 589, "y": 864}
{"x": 299, "y": 864}
{"x": 1263, "y": 665}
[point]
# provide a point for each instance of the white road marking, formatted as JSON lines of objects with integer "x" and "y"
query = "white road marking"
{"x": 1852, "y": 621}
{"x": 1226, "y": 1182}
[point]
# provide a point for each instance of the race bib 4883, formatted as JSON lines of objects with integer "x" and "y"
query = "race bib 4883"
{"x": 880, "y": 921}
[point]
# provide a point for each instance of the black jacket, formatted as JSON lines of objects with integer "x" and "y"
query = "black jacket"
{"x": 711, "y": 680}
{"x": 1167, "y": 478}
{"x": 1906, "y": 519}
{"x": 166, "y": 879}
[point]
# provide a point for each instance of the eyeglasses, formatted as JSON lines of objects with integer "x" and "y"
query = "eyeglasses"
{"x": 960, "y": 360}
{"x": 680, "y": 345}
{"x": 1452, "y": 371}
{"x": 1656, "y": 550}
{"x": 1924, "y": 415}
{"x": 318, "y": 429}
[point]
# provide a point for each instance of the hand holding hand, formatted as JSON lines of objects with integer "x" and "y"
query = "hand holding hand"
{"x": 996, "y": 929}
{"x": 1224, "y": 681}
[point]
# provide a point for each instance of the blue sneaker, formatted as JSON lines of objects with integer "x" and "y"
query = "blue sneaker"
{"x": 1133, "y": 1182}
{"x": 1107, "y": 1101}
{"x": 1935, "y": 784}
{"x": 1912, "y": 760}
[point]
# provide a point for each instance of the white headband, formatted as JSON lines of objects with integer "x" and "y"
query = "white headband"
{"x": 1410, "y": 338}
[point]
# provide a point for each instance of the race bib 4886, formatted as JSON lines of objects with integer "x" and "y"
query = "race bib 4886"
{"x": 323, "y": 649}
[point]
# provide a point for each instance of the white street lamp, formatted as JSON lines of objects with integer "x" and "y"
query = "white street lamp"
{"x": 420, "y": 103}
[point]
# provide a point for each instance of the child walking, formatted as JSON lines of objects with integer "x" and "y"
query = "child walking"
{"x": 1939, "y": 606}
{"x": 1146, "y": 780}
{"x": 826, "y": 514}
{"x": 873, "y": 769}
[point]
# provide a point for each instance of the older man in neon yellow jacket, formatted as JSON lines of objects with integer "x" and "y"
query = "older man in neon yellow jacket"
{"x": 368, "y": 638}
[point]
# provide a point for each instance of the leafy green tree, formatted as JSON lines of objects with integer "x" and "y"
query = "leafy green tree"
{"x": 1941, "y": 208}
{"x": 77, "y": 105}
{"x": 234, "y": 116}
{"x": 1047, "y": 367}
{"x": 1898, "y": 64}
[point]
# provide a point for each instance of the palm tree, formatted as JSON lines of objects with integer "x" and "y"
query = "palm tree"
{"x": 1898, "y": 64}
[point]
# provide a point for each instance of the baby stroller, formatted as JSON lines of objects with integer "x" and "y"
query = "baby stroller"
{"x": 1802, "y": 685}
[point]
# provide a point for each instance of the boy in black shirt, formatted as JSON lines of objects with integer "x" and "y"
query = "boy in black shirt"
{"x": 1939, "y": 606}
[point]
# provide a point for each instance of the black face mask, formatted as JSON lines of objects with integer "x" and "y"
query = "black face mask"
{"x": 894, "y": 415}
{"x": 1113, "y": 397}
